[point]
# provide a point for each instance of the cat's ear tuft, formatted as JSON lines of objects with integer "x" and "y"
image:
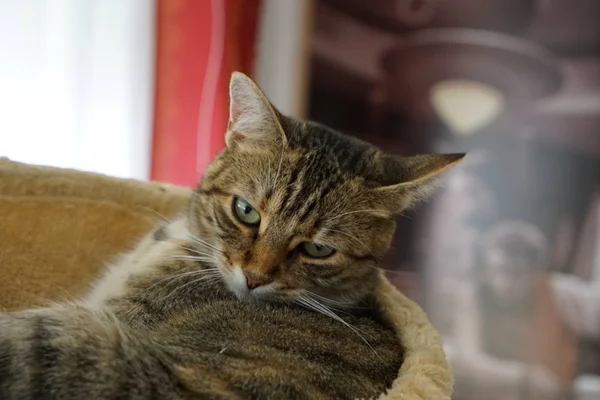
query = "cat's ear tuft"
{"x": 253, "y": 121}
{"x": 412, "y": 178}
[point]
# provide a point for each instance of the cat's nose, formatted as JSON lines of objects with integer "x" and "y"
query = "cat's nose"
{"x": 252, "y": 281}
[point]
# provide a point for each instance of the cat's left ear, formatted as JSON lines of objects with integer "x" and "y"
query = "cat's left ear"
{"x": 253, "y": 122}
{"x": 415, "y": 176}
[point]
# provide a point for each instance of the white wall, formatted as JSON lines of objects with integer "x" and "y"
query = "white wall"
{"x": 76, "y": 83}
{"x": 283, "y": 53}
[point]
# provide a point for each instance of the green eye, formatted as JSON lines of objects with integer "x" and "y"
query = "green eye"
{"x": 245, "y": 212}
{"x": 315, "y": 250}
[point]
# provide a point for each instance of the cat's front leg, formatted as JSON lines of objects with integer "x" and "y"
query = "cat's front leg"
{"x": 151, "y": 252}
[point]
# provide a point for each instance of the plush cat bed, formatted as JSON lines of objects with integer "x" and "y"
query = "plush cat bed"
{"x": 59, "y": 227}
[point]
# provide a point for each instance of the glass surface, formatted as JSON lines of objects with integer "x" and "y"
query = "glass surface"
{"x": 504, "y": 256}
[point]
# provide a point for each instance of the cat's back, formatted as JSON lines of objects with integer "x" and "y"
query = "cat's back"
{"x": 228, "y": 349}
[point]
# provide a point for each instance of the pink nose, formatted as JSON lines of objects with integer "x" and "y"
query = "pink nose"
{"x": 253, "y": 282}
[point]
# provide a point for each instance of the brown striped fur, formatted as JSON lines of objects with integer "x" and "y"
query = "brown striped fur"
{"x": 175, "y": 318}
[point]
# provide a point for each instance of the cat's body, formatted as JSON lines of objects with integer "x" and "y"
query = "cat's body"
{"x": 261, "y": 289}
{"x": 169, "y": 339}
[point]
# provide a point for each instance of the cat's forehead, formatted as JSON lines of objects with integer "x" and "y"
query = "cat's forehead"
{"x": 330, "y": 147}
{"x": 305, "y": 180}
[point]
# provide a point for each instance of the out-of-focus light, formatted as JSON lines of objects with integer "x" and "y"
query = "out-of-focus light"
{"x": 466, "y": 106}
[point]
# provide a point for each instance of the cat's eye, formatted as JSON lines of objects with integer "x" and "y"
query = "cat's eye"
{"x": 245, "y": 212}
{"x": 315, "y": 250}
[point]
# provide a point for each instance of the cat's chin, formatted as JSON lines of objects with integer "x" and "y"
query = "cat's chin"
{"x": 236, "y": 283}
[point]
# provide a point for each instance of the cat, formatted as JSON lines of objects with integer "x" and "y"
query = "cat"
{"x": 262, "y": 288}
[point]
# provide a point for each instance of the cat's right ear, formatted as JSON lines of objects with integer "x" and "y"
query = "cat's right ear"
{"x": 413, "y": 178}
{"x": 253, "y": 122}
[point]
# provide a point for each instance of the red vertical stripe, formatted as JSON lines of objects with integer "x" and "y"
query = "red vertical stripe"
{"x": 199, "y": 44}
{"x": 240, "y": 30}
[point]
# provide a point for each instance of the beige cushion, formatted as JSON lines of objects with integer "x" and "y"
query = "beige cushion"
{"x": 59, "y": 227}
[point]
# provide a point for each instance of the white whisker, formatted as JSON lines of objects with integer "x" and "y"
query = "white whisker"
{"x": 195, "y": 251}
{"x": 349, "y": 236}
{"x": 192, "y": 258}
{"x": 177, "y": 277}
{"x": 205, "y": 279}
{"x": 205, "y": 243}
{"x": 375, "y": 211}
{"x": 161, "y": 216}
{"x": 269, "y": 176}
{"x": 333, "y": 315}
{"x": 279, "y": 166}
{"x": 339, "y": 305}
{"x": 320, "y": 308}
{"x": 391, "y": 271}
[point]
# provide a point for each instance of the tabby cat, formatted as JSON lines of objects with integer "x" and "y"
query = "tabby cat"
{"x": 261, "y": 289}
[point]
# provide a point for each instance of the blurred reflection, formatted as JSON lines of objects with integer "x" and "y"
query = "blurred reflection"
{"x": 503, "y": 258}
{"x": 513, "y": 255}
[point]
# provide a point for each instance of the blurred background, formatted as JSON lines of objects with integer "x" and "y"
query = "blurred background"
{"x": 505, "y": 259}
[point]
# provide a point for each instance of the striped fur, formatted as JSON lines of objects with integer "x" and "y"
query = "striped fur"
{"x": 174, "y": 318}
{"x": 201, "y": 343}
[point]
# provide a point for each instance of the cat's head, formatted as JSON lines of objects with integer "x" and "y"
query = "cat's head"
{"x": 295, "y": 211}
